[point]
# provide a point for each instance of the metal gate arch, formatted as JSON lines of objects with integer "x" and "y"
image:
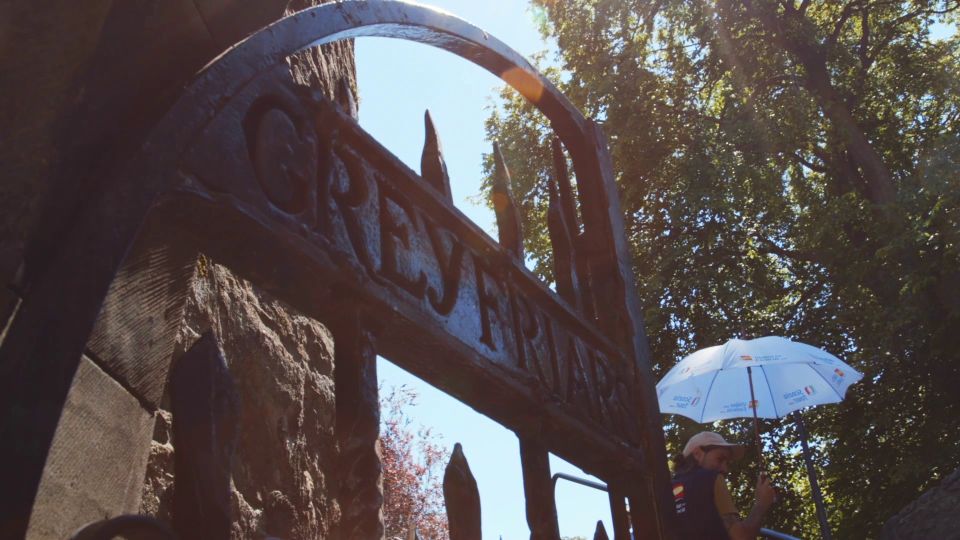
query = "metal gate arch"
{"x": 179, "y": 196}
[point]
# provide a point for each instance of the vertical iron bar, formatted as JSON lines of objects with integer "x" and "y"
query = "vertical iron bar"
{"x": 612, "y": 286}
{"x": 566, "y": 191}
{"x": 618, "y": 511}
{"x": 505, "y": 207}
{"x": 462, "y": 498}
{"x": 206, "y": 417}
{"x": 579, "y": 262}
{"x": 538, "y": 491}
{"x": 433, "y": 168}
{"x": 564, "y": 265}
{"x": 358, "y": 428}
{"x": 600, "y": 533}
{"x": 645, "y": 514}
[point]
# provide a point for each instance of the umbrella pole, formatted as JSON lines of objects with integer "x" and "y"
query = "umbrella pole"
{"x": 756, "y": 423}
{"x": 814, "y": 485}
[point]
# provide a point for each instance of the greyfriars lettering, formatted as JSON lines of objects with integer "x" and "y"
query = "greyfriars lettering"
{"x": 381, "y": 220}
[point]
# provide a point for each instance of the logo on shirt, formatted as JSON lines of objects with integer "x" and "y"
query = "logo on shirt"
{"x": 679, "y": 500}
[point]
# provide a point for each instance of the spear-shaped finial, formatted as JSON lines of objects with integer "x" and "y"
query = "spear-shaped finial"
{"x": 433, "y": 168}
{"x": 566, "y": 192}
{"x": 567, "y": 203}
{"x": 508, "y": 217}
{"x": 601, "y": 532}
{"x": 563, "y": 254}
{"x": 462, "y": 498}
{"x": 345, "y": 98}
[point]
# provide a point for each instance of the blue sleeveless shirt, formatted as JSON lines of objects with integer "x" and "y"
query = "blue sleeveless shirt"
{"x": 697, "y": 517}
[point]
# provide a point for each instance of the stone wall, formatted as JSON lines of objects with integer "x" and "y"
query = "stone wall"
{"x": 933, "y": 515}
{"x": 282, "y": 363}
{"x": 83, "y": 83}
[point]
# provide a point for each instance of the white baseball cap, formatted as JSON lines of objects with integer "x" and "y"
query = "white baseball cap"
{"x": 709, "y": 438}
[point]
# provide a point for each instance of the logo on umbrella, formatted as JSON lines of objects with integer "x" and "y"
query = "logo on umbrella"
{"x": 754, "y": 404}
{"x": 694, "y": 401}
{"x": 746, "y": 358}
{"x": 809, "y": 390}
{"x": 838, "y": 372}
{"x": 797, "y": 396}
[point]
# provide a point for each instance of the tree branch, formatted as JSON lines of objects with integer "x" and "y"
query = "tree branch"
{"x": 848, "y": 11}
{"x": 809, "y": 164}
{"x": 771, "y": 247}
{"x": 891, "y": 32}
{"x": 793, "y": 33}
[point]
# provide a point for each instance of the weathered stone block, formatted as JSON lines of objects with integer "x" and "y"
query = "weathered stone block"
{"x": 134, "y": 334}
{"x": 97, "y": 460}
{"x": 933, "y": 515}
{"x": 282, "y": 364}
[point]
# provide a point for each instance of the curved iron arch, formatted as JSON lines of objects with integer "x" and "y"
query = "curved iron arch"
{"x": 603, "y": 222}
{"x": 337, "y": 21}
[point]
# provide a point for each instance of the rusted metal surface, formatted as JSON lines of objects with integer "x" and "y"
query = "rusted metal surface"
{"x": 618, "y": 513}
{"x": 461, "y": 497}
{"x": 564, "y": 265}
{"x": 433, "y": 168}
{"x": 360, "y": 483}
{"x": 538, "y": 491}
{"x": 285, "y": 188}
{"x": 600, "y": 533}
{"x": 505, "y": 207}
{"x": 642, "y": 496}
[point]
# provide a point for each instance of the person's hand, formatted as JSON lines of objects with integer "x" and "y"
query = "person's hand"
{"x": 766, "y": 494}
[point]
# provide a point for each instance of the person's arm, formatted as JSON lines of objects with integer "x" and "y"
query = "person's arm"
{"x": 749, "y": 528}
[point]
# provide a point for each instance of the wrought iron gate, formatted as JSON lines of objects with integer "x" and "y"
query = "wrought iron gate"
{"x": 285, "y": 188}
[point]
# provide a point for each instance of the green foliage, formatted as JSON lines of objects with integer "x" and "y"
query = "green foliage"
{"x": 752, "y": 208}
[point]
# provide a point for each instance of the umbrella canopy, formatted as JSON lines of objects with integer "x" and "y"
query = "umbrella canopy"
{"x": 713, "y": 383}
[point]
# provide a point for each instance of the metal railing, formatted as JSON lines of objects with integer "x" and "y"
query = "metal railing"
{"x": 776, "y": 535}
{"x": 764, "y": 533}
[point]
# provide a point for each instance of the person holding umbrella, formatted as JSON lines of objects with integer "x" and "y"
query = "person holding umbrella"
{"x": 766, "y": 377}
{"x": 704, "y": 506}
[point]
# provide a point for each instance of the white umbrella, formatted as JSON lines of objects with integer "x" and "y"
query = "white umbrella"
{"x": 715, "y": 383}
{"x": 767, "y": 377}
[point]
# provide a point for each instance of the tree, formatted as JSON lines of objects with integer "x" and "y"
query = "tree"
{"x": 413, "y": 465}
{"x": 790, "y": 168}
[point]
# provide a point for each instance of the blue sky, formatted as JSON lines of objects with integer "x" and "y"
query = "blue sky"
{"x": 398, "y": 80}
